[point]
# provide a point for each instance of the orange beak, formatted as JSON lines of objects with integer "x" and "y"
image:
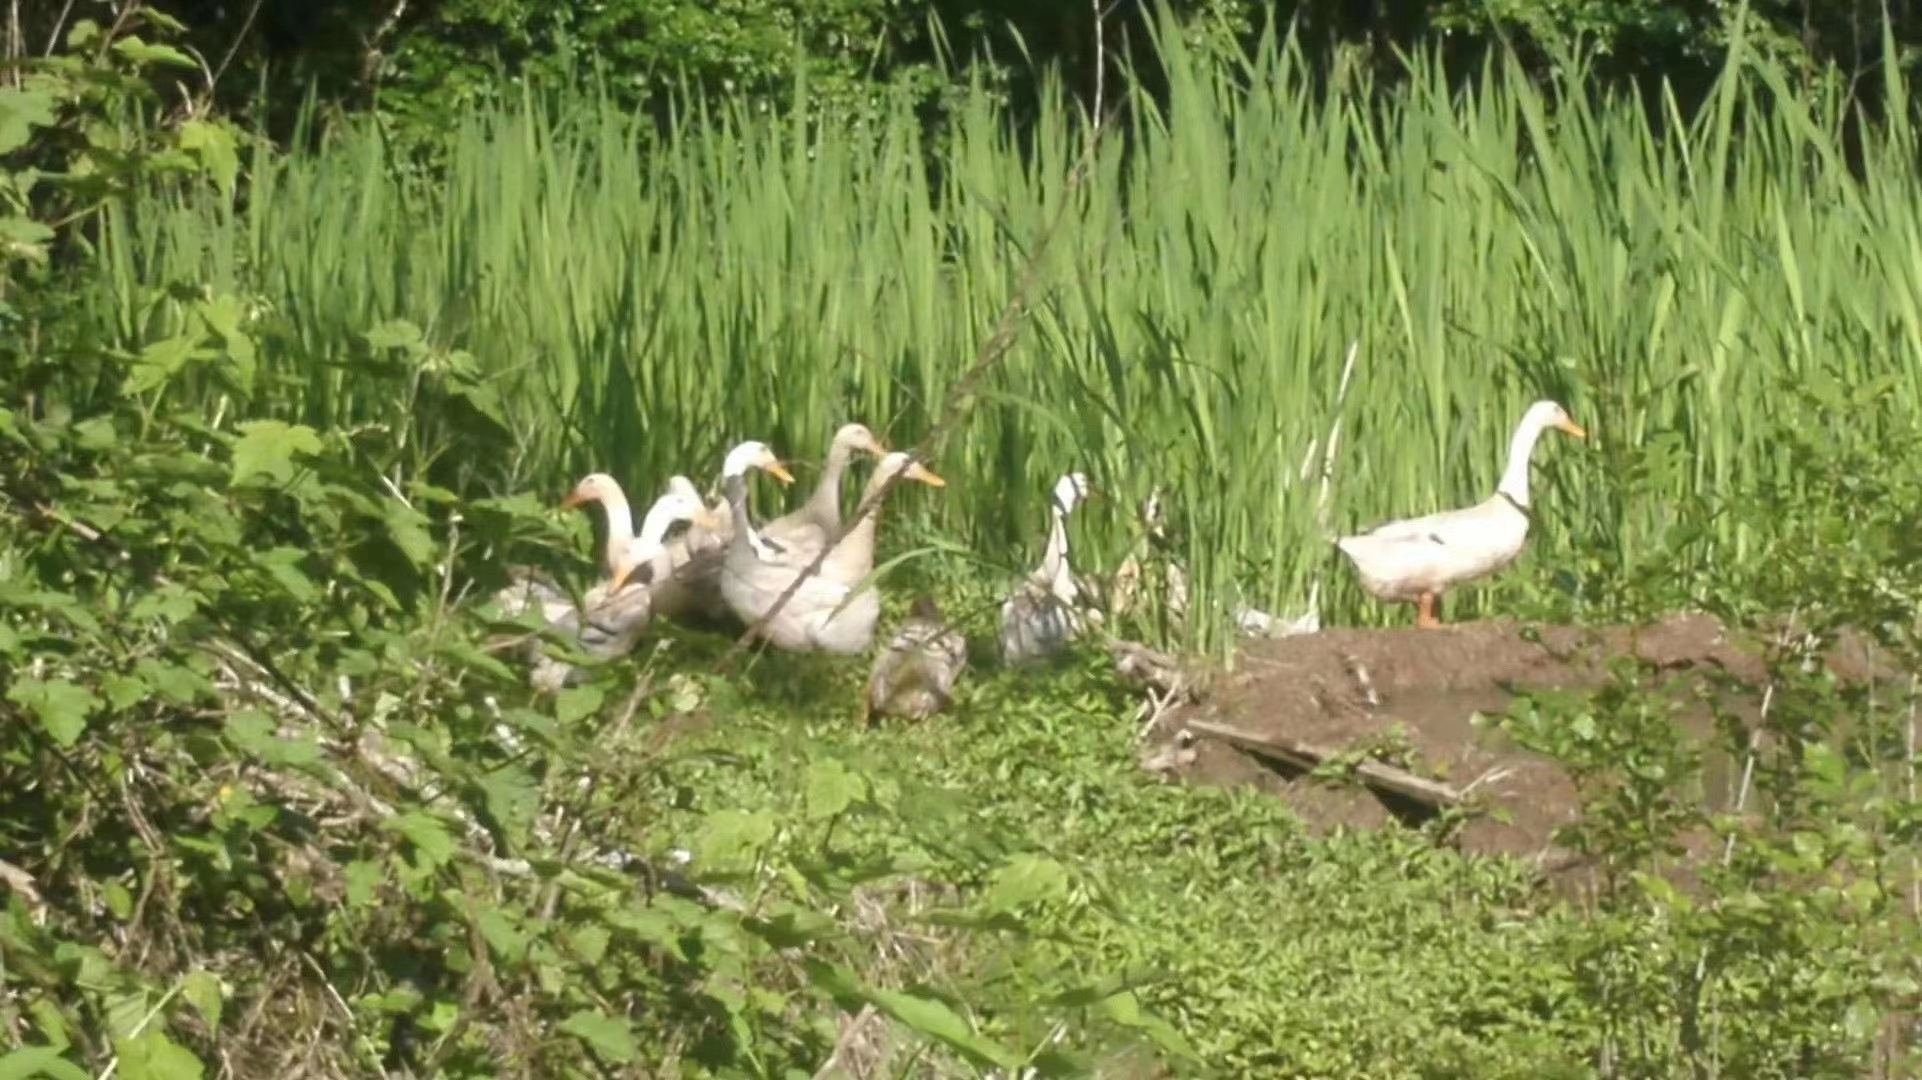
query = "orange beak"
{"x": 915, "y": 471}
{"x": 574, "y": 498}
{"x": 779, "y": 472}
{"x": 1572, "y": 428}
{"x": 621, "y": 574}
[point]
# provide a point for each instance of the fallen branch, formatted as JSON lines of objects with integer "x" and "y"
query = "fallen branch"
{"x": 1307, "y": 756}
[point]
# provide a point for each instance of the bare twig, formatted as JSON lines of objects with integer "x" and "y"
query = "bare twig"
{"x": 233, "y": 48}
{"x": 120, "y": 20}
{"x": 1915, "y": 860}
{"x": 346, "y": 1012}
{"x": 849, "y": 1033}
{"x": 59, "y": 24}
{"x": 1100, "y": 60}
{"x": 371, "y": 56}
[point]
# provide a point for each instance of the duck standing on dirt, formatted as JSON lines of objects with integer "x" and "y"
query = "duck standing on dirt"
{"x": 914, "y": 676}
{"x": 1418, "y": 559}
{"x": 1041, "y": 616}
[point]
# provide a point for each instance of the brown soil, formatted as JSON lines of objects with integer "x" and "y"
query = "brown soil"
{"x": 1343, "y": 689}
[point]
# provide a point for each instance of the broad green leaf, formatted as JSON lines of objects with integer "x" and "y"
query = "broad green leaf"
{"x": 169, "y": 603}
{"x": 408, "y": 528}
{"x": 1125, "y": 1009}
{"x": 589, "y": 942}
{"x": 1026, "y": 879}
{"x": 134, "y": 50}
{"x": 256, "y": 733}
{"x": 508, "y": 941}
{"x": 363, "y": 882}
{"x": 831, "y": 789}
{"x": 610, "y": 1039}
{"x": 224, "y": 315}
{"x": 653, "y": 925}
{"x": 202, "y": 990}
{"x": 214, "y": 145}
{"x": 24, "y": 238}
{"x": 160, "y": 361}
{"x": 395, "y": 334}
{"x": 935, "y": 1020}
{"x": 150, "y": 1055}
{"x": 84, "y": 33}
{"x": 428, "y": 835}
{"x": 578, "y": 703}
{"x": 267, "y": 448}
{"x": 281, "y": 564}
{"x": 123, "y": 692}
{"x": 178, "y": 684}
{"x": 731, "y": 837}
{"x": 513, "y": 798}
{"x": 39, "y": 1061}
{"x": 61, "y": 707}
{"x": 21, "y": 111}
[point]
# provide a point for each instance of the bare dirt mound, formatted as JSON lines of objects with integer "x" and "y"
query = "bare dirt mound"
{"x": 1350, "y": 690}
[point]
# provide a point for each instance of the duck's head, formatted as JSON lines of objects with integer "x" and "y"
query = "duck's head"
{"x": 754, "y": 454}
{"x": 852, "y": 437}
{"x": 680, "y": 487}
{"x": 1547, "y": 414}
{"x": 1071, "y": 491}
{"x": 902, "y": 462}
{"x": 594, "y": 487}
{"x": 669, "y": 510}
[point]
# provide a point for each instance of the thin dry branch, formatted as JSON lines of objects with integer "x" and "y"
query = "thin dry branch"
{"x": 1305, "y": 756}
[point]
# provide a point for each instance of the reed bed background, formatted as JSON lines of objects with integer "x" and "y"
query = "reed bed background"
{"x": 644, "y": 300}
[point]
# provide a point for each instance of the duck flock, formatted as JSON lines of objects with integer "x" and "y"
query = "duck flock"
{"x": 799, "y": 582}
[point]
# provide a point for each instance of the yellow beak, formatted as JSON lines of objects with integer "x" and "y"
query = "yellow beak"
{"x": 574, "y": 498}
{"x": 1572, "y": 428}
{"x": 779, "y": 472}
{"x": 915, "y": 471}
{"x": 619, "y": 581}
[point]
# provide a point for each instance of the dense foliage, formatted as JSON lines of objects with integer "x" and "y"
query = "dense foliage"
{"x": 275, "y": 797}
{"x": 425, "y": 63}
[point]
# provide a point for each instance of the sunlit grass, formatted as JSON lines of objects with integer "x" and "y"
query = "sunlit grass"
{"x": 647, "y": 301}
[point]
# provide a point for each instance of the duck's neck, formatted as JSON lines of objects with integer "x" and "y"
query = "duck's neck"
{"x": 865, "y": 529}
{"x": 735, "y": 488}
{"x": 824, "y": 505}
{"x": 620, "y": 526}
{"x": 654, "y": 526}
{"x": 1521, "y": 449}
{"x": 1054, "y": 560}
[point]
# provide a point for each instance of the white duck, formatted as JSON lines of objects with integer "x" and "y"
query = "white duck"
{"x": 1418, "y": 559}
{"x": 819, "y": 519}
{"x": 694, "y": 587}
{"x": 825, "y": 613}
{"x": 1042, "y": 614}
{"x": 615, "y": 612}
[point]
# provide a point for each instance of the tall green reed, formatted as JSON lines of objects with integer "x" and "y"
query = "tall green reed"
{"x": 646, "y": 299}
